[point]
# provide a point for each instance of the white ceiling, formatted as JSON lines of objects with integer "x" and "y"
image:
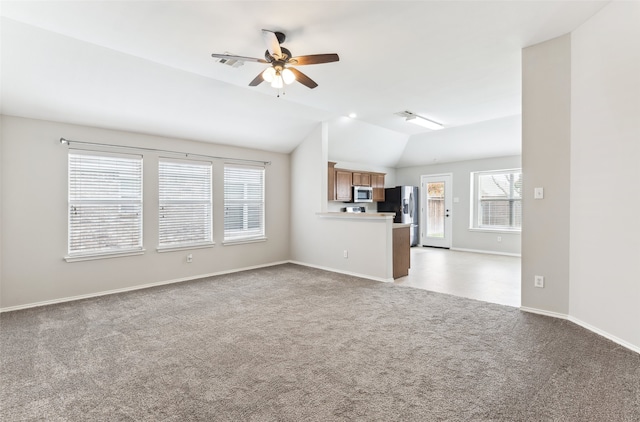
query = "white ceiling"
{"x": 145, "y": 66}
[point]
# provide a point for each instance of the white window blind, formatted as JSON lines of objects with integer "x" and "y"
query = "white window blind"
{"x": 243, "y": 202}
{"x": 105, "y": 203}
{"x": 185, "y": 203}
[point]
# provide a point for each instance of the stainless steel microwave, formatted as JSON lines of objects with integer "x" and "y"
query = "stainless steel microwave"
{"x": 362, "y": 194}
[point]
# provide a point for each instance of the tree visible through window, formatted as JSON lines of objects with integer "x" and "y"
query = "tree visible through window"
{"x": 498, "y": 199}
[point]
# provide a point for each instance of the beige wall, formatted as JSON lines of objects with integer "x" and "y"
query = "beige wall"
{"x": 320, "y": 241}
{"x": 463, "y": 238}
{"x": 34, "y": 217}
{"x": 605, "y": 172}
{"x": 581, "y": 132}
{"x": 546, "y": 121}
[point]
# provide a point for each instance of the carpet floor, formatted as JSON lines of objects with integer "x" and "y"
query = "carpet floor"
{"x": 289, "y": 343}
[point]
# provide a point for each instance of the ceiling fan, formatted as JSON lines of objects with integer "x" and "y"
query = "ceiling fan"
{"x": 280, "y": 72}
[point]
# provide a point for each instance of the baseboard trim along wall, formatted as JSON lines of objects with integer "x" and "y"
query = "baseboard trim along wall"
{"x": 132, "y": 288}
{"x": 333, "y": 270}
{"x": 487, "y": 252}
{"x": 583, "y": 325}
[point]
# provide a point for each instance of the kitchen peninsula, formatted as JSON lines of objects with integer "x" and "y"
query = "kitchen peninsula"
{"x": 399, "y": 235}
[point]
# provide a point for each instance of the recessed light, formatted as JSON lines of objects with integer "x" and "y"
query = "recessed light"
{"x": 352, "y": 115}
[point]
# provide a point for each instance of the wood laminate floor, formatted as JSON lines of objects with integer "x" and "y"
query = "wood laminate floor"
{"x": 486, "y": 277}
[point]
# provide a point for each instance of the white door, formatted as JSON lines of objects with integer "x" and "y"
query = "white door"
{"x": 435, "y": 210}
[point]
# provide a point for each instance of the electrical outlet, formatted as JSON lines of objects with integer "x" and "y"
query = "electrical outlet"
{"x": 538, "y": 281}
{"x": 499, "y": 238}
{"x": 538, "y": 193}
{"x": 190, "y": 258}
{"x": 345, "y": 254}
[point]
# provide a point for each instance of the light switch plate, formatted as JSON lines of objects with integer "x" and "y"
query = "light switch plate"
{"x": 538, "y": 193}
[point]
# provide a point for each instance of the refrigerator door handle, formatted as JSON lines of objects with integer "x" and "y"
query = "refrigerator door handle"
{"x": 411, "y": 205}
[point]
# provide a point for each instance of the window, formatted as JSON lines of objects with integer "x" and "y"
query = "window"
{"x": 243, "y": 203}
{"x": 184, "y": 203}
{"x": 105, "y": 204}
{"x": 497, "y": 200}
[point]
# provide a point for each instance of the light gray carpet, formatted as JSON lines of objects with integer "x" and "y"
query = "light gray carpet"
{"x": 289, "y": 343}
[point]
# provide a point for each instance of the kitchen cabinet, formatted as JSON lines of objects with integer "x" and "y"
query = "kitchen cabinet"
{"x": 401, "y": 251}
{"x": 343, "y": 180}
{"x": 361, "y": 179}
{"x": 331, "y": 184}
{"x": 377, "y": 183}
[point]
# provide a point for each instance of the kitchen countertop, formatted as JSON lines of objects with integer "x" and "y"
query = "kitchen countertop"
{"x": 401, "y": 225}
{"x": 358, "y": 215}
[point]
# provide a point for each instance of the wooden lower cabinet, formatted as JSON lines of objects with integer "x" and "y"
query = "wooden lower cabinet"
{"x": 401, "y": 251}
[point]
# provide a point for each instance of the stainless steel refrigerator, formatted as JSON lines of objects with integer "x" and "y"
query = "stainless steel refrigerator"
{"x": 403, "y": 200}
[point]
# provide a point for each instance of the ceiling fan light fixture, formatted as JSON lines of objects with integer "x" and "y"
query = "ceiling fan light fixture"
{"x": 287, "y": 76}
{"x": 421, "y": 121}
{"x": 277, "y": 82}
{"x": 268, "y": 74}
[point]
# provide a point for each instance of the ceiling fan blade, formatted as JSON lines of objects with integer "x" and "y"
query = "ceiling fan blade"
{"x": 273, "y": 45}
{"x": 239, "y": 58}
{"x": 303, "y": 79}
{"x": 314, "y": 59}
{"x": 257, "y": 80}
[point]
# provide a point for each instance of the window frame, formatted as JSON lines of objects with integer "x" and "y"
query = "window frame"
{"x": 250, "y": 235}
{"x": 202, "y": 243}
{"x": 475, "y": 215}
{"x": 74, "y": 190}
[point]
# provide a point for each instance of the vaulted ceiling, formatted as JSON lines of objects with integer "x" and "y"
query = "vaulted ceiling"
{"x": 146, "y": 66}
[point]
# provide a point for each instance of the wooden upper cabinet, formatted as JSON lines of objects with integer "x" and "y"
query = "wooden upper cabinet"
{"x": 340, "y": 183}
{"x": 361, "y": 179}
{"x": 331, "y": 185}
{"x": 377, "y": 183}
{"x": 343, "y": 185}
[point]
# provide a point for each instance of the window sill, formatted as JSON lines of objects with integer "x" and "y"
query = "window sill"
{"x": 91, "y": 257}
{"x": 488, "y": 230}
{"x": 243, "y": 241}
{"x": 162, "y": 249}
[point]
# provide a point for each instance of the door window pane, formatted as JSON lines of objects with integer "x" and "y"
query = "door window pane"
{"x": 435, "y": 209}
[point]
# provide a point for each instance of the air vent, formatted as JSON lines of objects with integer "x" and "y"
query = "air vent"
{"x": 229, "y": 61}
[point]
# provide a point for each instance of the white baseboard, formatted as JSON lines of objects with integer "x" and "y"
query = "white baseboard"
{"x": 333, "y": 270}
{"x": 543, "y": 312}
{"x": 132, "y": 288}
{"x": 583, "y": 324}
{"x": 483, "y": 251}
{"x": 605, "y": 334}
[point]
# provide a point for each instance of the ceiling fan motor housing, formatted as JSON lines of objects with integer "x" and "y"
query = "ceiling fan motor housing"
{"x": 280, "y": 36}
{"x": 286, "y": 55}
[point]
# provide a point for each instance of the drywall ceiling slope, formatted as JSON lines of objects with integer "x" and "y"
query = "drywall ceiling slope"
{"x": 354, "y": 140}
{"x": 53, "y": 77}
{"x": 147, "y": 66}
{"x": 493, "y": 138}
